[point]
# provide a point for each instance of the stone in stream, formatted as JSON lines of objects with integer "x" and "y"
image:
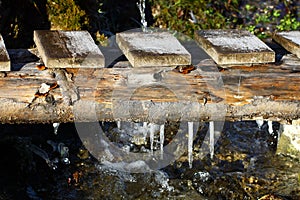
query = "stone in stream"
{"x": 68, "y": 49}
{"x": 234, "y": 47}
{"x": 290, "y": 40}
{"x": 147, "y": 49}
{"x": 4, "y": 57}
{"x": 289, "y": 139}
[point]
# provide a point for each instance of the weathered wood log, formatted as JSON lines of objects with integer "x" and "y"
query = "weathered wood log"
{"x": 149, "y": 94}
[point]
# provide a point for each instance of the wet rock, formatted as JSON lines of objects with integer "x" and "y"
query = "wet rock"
{"x": 289, "y": 141}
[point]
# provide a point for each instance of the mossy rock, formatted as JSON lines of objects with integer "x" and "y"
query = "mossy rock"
{"x": 286, "y": 147}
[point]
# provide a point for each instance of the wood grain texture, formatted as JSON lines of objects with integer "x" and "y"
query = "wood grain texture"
{"x": 151, "y": 94}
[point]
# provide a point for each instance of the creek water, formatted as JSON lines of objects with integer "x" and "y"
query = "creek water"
{"x": 244, "y": 165}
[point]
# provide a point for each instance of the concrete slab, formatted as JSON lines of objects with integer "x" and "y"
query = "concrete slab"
{"x": 68, "y": 49}
{"x": 146, "y": 49}
{"x": 289, "y": 40}
{"x": 4, "y": 57}
{"x": 231, "y": 47}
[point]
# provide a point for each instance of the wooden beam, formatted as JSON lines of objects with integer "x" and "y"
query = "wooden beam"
{"x": 150, "y": 94}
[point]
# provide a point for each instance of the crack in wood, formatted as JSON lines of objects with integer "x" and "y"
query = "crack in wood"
{"x": 67, "y": 87}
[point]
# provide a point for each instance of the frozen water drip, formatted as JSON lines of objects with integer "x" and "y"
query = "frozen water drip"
{"x": 161, "y": 140}
{"x": 211, "y": 139}
{"x": 190, "y": 143}
{"x": 152, "y": 131}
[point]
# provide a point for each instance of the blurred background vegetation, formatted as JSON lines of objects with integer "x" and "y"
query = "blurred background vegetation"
{"x": 259, "y": 17}
{"x": 103, "y": 18}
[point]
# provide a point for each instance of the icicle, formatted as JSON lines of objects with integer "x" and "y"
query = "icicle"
{"x": 119, "y": 125}
{"x": 145, "y": 124}
{"x": 211, "y": 139}
{"x": 259, "y": 123}
{"x": 161, "y": 140}
{"x": 145, "y": 128}
{"x": 55, "y": 126}
{"x": 190, "y": 142}
{"x": 270, "y": 127}
{"x": 152, "y": 131}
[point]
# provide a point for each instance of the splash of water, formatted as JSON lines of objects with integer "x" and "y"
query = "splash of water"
{"x": 142, "y": 6}
{"x": 41, "y": 153}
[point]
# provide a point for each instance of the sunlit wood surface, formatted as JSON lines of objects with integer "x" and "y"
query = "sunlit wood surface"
{"x": 269, "y": 91}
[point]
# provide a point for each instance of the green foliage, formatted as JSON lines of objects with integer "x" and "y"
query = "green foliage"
{"x": 288, "y": 23}
{"x": 259, "y": 19}
{"x": 66, "y": 15}
{"x": 267, "y": 20}
{"x": 177, "y": 15}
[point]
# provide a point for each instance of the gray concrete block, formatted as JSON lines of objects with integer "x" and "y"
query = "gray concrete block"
{"x": 232, "y": 47}
{"x": 290, "y": 40}
{"x": 68, "y": 49}
{"x": 4, "y": 57}
{"x": 146, "y": 49}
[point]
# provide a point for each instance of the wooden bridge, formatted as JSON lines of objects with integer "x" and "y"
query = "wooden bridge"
{"x": 33, "y": 93}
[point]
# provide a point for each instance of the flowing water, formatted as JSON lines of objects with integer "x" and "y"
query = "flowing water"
{"x": 142, "y": 6}
{"x": 244, "y": 164}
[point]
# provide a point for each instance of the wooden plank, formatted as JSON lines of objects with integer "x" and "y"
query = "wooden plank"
{"x": 4, "y": 57}
{"x": 68, "y": 49}
{"x": 150, "y": 94}
{"x": 230, "y": 47}
{"x": 147, "y": 49}
{"x": 289, "y": 40}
